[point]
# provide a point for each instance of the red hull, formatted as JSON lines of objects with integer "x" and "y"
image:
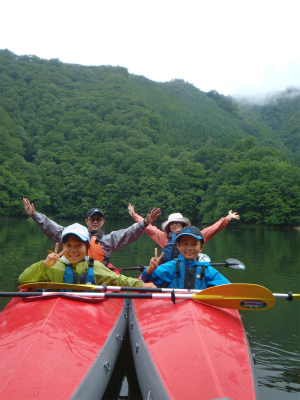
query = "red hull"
{"x": 55, "y": 348}
{"x": 190, "y": 350}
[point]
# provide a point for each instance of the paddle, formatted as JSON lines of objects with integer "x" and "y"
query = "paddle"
{"x": 230, "y": 262}
{"x": 239, "y": 296}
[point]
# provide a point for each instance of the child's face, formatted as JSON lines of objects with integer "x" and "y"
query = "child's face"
{"x": 75, "y": 250}
{"x": 189, "y": 247}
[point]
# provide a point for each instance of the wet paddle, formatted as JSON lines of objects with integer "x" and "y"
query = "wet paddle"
{"x": 239, "y": 296}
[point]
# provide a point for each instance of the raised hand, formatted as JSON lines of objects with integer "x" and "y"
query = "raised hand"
{"x": 29, "y": 208}
{"x": 232, "y": 215}
{"x": 53, "y": 257}
{"x": 131, "y": 209}
{"x": 153, "y": 215}
{"x": 154, "y": 262}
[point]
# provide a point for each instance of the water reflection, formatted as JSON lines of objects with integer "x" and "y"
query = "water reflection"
{"x": 272, "y": 260}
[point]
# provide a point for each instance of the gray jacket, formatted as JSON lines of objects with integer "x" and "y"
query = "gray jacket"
{"x": 109, "y": 243}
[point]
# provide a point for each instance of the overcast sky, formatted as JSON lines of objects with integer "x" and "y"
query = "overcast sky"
{"x": 232, "y": 46}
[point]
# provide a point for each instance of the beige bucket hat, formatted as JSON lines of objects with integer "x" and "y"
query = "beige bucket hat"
{"x": 176, "y": 217}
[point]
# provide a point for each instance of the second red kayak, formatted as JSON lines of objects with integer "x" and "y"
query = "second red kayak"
{"x": 190, "y": 350}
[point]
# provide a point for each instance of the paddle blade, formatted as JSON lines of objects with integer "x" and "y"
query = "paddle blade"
{"x": 239, "y": 296}
{"x": 235, "y": 264}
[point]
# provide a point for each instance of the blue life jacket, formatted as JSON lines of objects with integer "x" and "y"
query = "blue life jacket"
{"x": 190, "y": 278}
{"x": 170, "y": 250}
{"x": 87, "y": 278}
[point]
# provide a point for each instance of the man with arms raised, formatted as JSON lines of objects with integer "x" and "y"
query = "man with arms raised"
{"x": 101, "y": 245}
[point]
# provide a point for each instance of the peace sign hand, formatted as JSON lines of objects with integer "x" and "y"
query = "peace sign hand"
{"x": 154, "y": 262}
{"x": 53, "y": 257}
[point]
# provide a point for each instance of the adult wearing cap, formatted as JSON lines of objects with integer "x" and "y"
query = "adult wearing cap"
{"x": 102, "y": 245}
{"x": 185, "y": 272}
{"x": 166, "y": 237}
{"x": 72, "y": 265}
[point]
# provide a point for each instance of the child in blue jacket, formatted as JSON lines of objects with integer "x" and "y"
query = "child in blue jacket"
{"x": 185, "y": 272}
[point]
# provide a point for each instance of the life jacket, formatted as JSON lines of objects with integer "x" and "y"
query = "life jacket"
{"x": 170, "y": 250}
{"x": 87, "y": 278}
{"x": 190, "y": 278}
{"x": 97, "y": 253}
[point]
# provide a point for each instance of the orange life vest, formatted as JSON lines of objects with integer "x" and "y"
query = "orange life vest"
{"x": 95, "y": 251}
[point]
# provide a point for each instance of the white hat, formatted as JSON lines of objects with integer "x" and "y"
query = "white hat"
{"x": 176, "y": 217}
{"x": 78, "y": 230}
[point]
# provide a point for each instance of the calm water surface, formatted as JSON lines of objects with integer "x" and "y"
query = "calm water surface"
{"x": 272, "y": 259}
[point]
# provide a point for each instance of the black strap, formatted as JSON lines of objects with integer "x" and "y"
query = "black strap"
{"x": 178, "y": 269}
{"x": 81, "y": 279}
{"x": 202, "y": 275}
{"x": 175, "y": 251}
{"x": 189, "y": 277}
{"x": 91, "y": 263}
{"x": 98, "y": 236}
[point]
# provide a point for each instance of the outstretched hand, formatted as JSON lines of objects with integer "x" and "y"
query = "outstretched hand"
{"x": 131, "y": 209}
{"x": 232, "y": 215}
{"x": 154, "y": 262}
{"x": 153, "y": 215}
{"x": 53, "y": 257}
{"x": 29, "y": 208}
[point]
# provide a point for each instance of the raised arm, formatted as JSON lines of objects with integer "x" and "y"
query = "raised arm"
{"x": 45, "y": 224}
{"x": 156, "y": 234}
{"x": 118, "y": 239}
{"x": 232, "y": 215}
{"x": 29, "y": 208}
{"x": 210, "y": 231}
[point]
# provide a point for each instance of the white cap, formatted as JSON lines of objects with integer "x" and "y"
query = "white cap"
{"x": 78, "y": 230}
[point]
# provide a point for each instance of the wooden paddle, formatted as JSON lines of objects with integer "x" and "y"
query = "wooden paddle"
{"x": 239, "y": 296}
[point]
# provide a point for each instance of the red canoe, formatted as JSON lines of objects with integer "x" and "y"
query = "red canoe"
{"x": 58, "y": 348}
{"x": 190, "y": 350}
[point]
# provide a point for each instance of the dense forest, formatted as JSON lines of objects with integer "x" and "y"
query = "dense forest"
{"x": 73, "y": 137}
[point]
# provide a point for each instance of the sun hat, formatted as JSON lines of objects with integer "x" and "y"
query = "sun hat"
{"x": 78, "y": 230}
{"x": 191, "y": 231}
{"x": 93, "y": 211}
{"x": 176, "y": 217}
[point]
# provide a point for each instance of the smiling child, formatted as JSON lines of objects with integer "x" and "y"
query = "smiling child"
{"x": 72, "y": 265}
{"x": 185, "y": 272}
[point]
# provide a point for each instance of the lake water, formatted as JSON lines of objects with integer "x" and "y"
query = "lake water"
{"x": 272, "y": 259}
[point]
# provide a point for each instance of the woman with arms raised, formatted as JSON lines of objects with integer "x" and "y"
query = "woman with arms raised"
{"x": 166, "y": 237}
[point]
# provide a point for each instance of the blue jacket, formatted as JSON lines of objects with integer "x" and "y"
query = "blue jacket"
{"x": 166, "y": 275}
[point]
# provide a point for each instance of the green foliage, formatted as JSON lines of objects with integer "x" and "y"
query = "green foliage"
{"x": 74, "y": 137}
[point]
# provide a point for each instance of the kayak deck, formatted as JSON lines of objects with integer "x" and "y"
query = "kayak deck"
{"x": 59, "y": 348}
{"x": 190, "y": 350}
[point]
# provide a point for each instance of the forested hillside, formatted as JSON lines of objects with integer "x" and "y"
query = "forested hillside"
{"x": 281, "y": 112}
{"x": 73, "y": 137}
